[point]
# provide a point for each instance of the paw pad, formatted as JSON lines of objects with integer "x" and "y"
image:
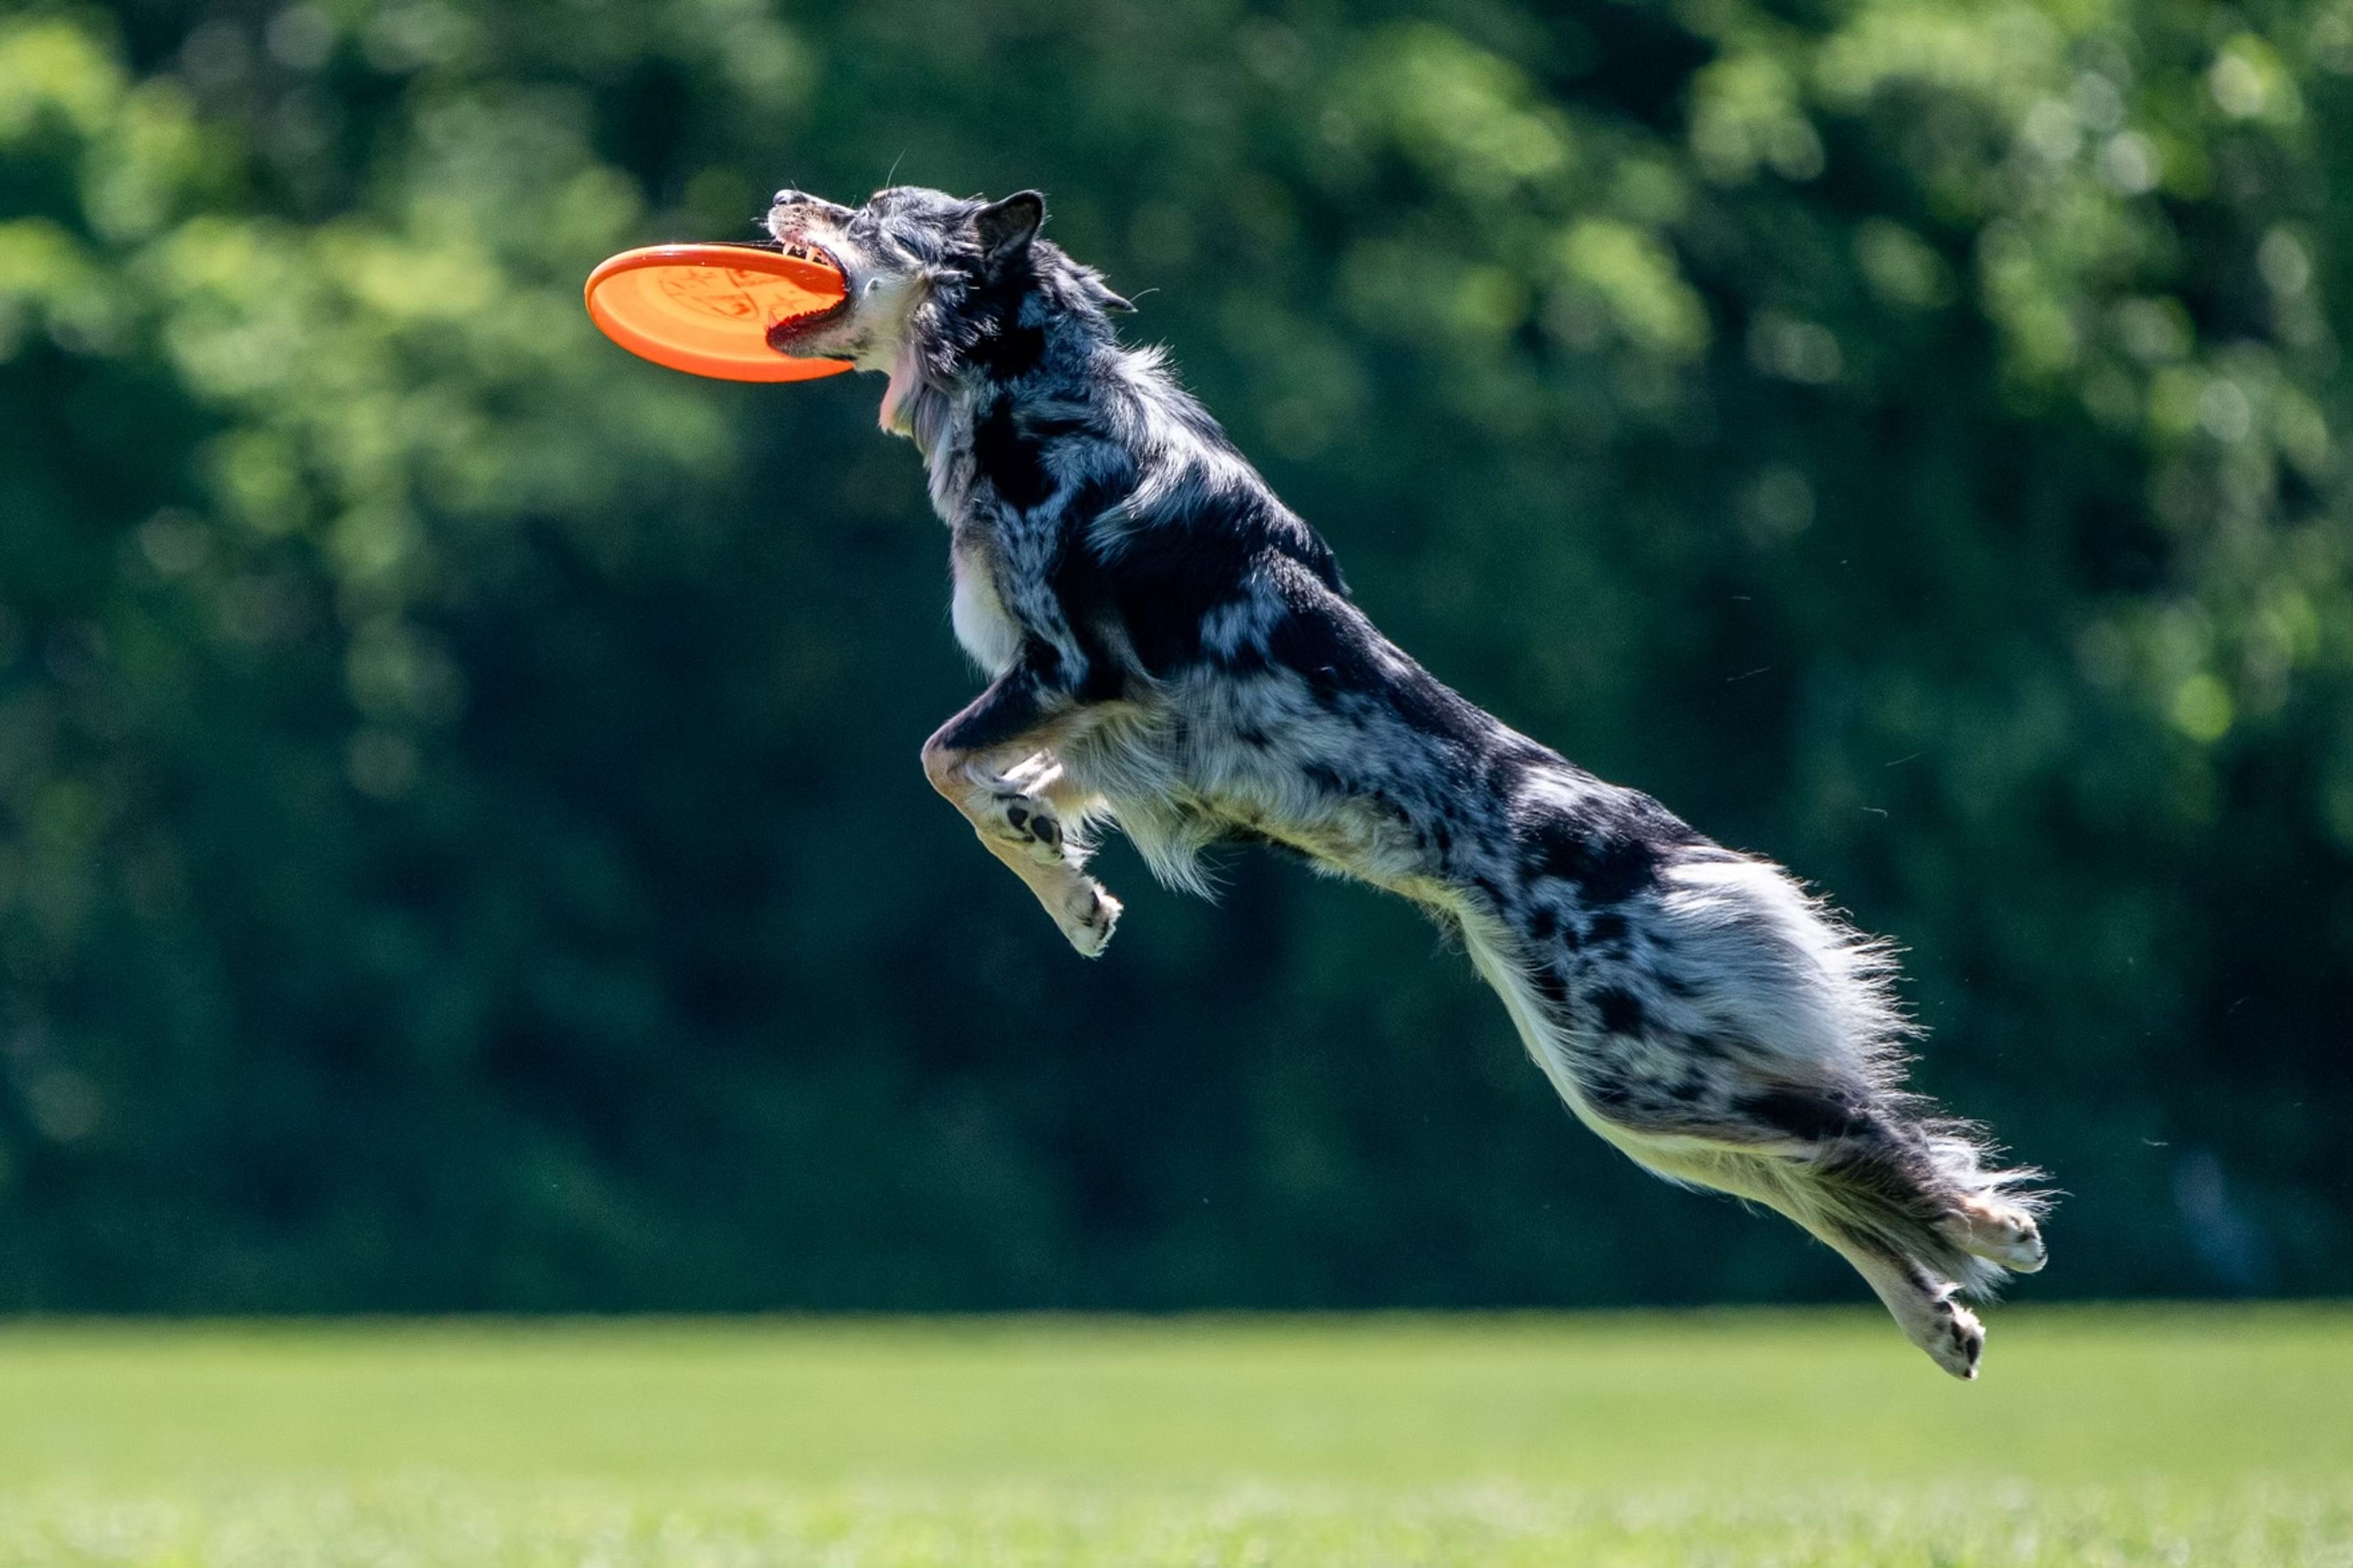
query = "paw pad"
{"x": 1031, "y": 819}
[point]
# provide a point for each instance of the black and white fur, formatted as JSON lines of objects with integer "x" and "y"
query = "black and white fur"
{"x": 1174, "y": 652}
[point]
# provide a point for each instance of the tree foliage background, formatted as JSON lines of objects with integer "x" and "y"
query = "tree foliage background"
{"x": 460, "y": 844}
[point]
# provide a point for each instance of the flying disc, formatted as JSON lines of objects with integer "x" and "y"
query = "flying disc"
{"x": 707, "y": 308}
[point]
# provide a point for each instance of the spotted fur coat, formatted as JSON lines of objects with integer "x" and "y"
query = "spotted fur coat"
{"x": 1172, "y": 651}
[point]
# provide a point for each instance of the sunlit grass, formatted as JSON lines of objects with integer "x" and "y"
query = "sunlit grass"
{"x": 2096, "y": 1437}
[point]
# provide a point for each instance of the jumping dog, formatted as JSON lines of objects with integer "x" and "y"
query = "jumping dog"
{"x": 1172, "y": 651}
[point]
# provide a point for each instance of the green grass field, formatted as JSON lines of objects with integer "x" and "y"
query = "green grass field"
{"x": 2108, "y": 1437}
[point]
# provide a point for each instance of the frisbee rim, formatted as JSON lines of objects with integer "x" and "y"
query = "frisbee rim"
{"x": 737, "y": 254}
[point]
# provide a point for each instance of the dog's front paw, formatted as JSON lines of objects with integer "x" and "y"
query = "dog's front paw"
{"x": 1031, "y": 818}
{"x": 1027, "y": 822}
{"x": 1088, "y": 917}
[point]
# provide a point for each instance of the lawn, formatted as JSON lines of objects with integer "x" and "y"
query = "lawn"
{"x": 2218, "y": 1437}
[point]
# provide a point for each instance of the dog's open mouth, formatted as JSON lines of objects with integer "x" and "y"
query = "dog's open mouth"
{"x": 781, "y": 335}
{"x": 803, "y": 251}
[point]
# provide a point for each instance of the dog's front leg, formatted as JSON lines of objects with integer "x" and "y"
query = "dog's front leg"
{"x": 995, "y": 762}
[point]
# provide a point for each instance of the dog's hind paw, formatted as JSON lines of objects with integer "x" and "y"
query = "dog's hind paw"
{"x": 1937, "y": 1322}
{"x": 1088, "y": 917}
{"x": 2000, "y": 1232}
{"x": 1955, "y": 1340}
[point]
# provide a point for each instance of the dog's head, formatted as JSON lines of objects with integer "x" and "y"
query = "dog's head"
{"x": 935, "y": 282}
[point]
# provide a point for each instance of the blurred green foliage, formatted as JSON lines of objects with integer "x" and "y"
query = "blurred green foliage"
{"x": 459, "y": 839}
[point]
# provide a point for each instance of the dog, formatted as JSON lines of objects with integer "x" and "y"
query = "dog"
{"x": 1171, "y": 651}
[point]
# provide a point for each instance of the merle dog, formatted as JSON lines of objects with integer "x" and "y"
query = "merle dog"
{"x": 1174, "y": 652}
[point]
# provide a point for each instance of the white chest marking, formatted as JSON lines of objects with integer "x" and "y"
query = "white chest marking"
{"x": 986, "y": 632}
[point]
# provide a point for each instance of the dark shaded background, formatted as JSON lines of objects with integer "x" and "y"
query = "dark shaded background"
{"x": 460, "y": 841}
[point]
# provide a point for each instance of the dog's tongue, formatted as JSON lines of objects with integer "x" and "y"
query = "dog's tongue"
{"x": 895, "y": 395}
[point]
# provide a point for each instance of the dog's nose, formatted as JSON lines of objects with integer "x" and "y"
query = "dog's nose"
{"x": 789, "y": 198}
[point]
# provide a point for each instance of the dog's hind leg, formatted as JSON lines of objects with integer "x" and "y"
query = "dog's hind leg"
{"x": 1865, "y": 1204}
{"x": 1864, "y": 1221}
{"x": 1820, "y": 1136}
{"x": 1928, "y": 1309}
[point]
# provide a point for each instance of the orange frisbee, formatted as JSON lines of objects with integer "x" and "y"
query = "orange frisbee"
{"x": 706, "y": 309}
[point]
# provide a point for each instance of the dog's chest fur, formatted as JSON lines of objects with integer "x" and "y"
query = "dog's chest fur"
{"x": 988, "y": 634}
{"x": 941, "y": 427}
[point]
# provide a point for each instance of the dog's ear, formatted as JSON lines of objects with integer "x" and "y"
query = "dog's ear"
{"x": 1007, "y": 226}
